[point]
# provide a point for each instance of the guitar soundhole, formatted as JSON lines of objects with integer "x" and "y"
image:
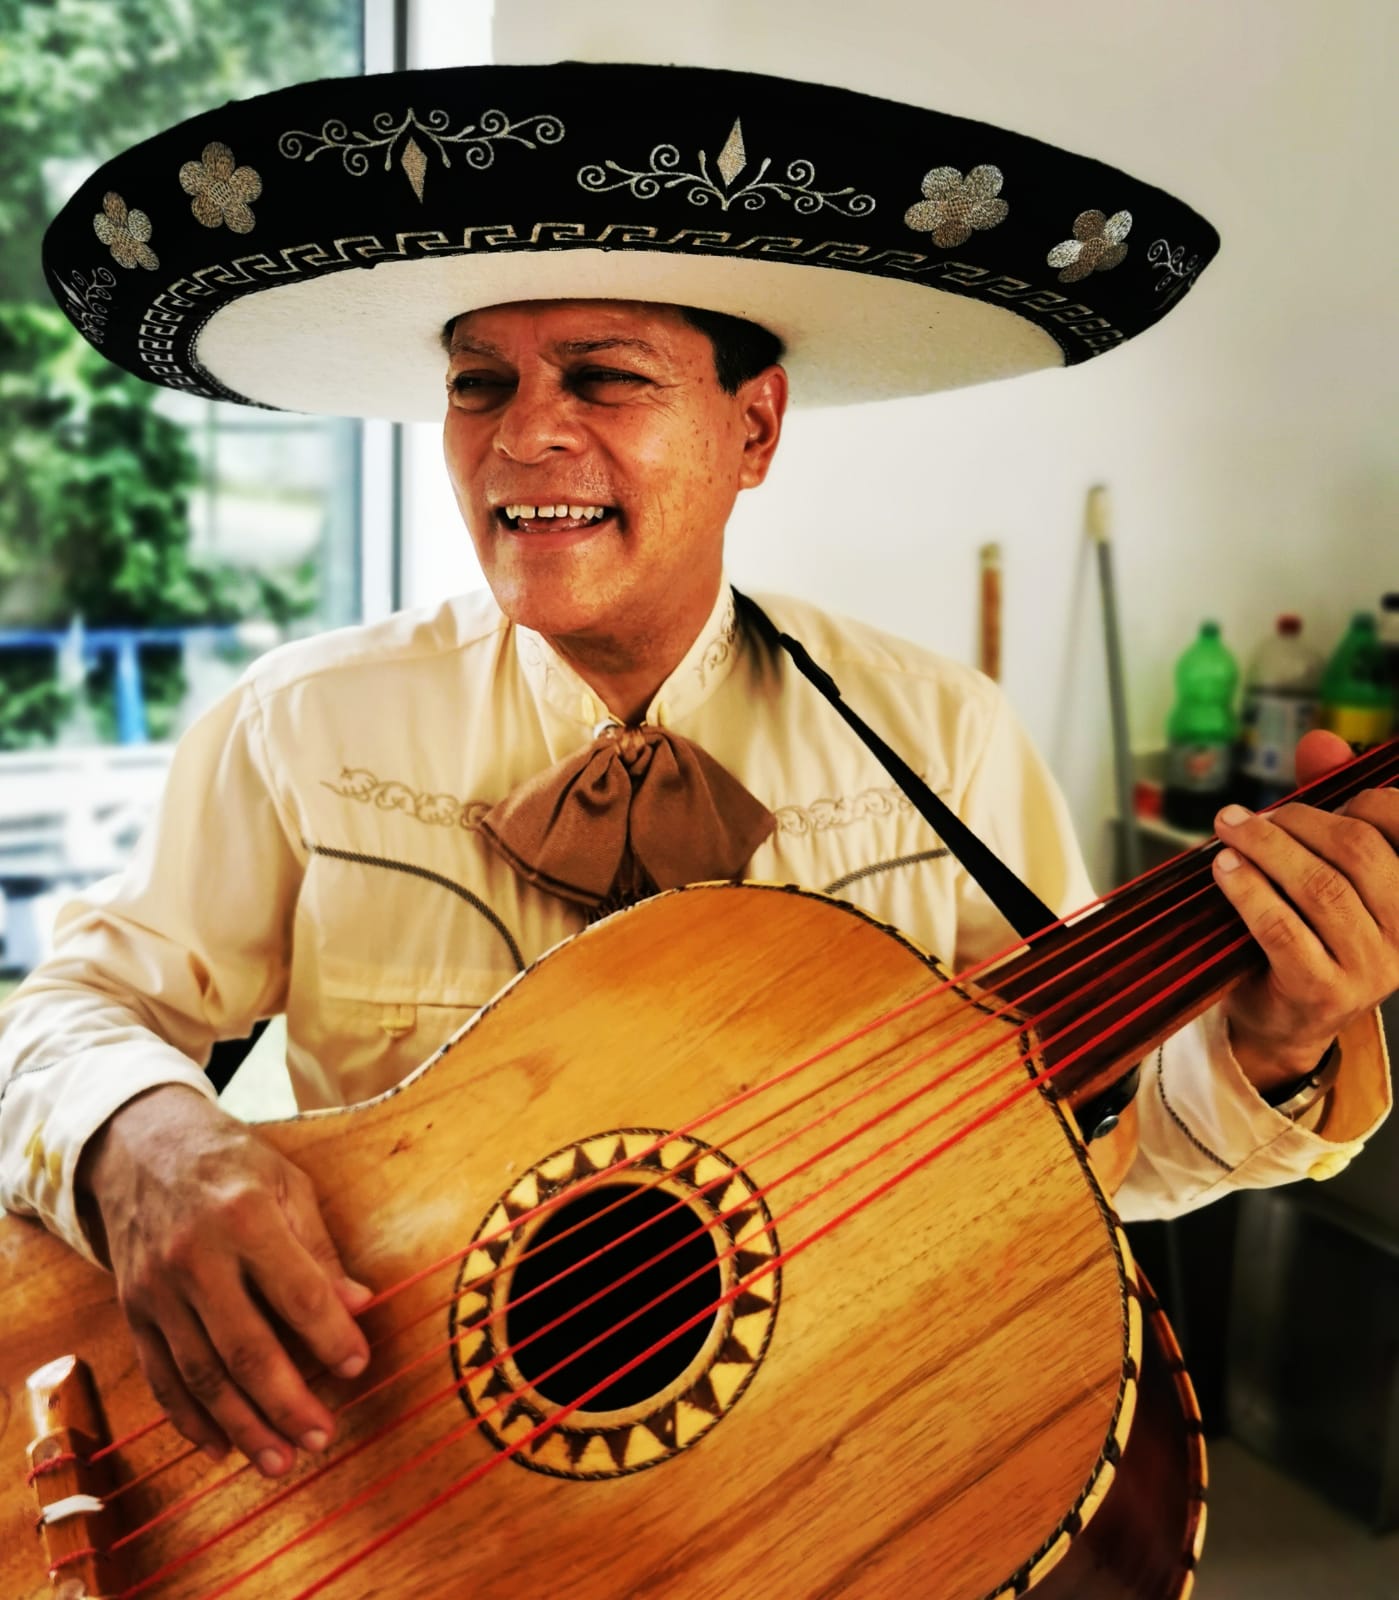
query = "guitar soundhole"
{"x": 665, "y": 1207}
{"x": 668, "y": 1246}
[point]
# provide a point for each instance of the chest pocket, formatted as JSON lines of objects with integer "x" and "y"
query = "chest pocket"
{"x": 397, "y": 938}
{"x": 390, "y": 959}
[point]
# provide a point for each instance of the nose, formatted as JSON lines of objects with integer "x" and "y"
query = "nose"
{"x": 537, "y": 421}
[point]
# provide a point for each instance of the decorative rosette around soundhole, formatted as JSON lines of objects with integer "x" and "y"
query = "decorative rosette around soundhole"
{"x": 579, "y": 1275}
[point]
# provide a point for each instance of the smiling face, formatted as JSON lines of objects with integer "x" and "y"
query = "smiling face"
{"x": 596, "y": 459}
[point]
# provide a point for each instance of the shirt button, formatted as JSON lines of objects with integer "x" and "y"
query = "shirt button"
{"x": 1329, "y": 1165}
{"x": 398, "y": 1020}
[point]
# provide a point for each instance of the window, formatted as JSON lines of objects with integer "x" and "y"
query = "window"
{"x": 150, "y": 543}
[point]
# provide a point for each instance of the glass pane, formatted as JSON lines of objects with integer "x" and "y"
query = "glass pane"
{"x": 150, "y": 544}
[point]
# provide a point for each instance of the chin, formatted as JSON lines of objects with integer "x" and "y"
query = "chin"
{"x": 545, "y": 608}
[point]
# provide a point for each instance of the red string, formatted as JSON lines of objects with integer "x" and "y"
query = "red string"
{"x": 71, "y": 1559}
{"x": 53, "y": 1464}
{"x": 743, "y": 1205}
{"x": 923, "y": 998}
{"x": 722, "y": 1179}
{"x": 580, "y": 1188}
{"x": 380, "y": 1541}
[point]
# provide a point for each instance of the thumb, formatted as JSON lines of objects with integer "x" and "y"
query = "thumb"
{"x": 1320, "y": 752}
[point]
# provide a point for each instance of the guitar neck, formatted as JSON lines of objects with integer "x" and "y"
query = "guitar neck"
{"x": 1105, "y": 989}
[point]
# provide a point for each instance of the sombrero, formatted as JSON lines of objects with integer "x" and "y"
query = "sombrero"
{"x": 303, "y": 249}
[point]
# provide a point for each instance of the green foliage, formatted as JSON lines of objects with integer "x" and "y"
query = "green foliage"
{"x": 94, "y": 483}
{"x": 94, "y": 479}
{"x": 82, "y": 79}
{"x": 94, "y": 522}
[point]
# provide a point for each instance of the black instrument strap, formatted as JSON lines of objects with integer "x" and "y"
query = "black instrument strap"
{"x": 1016, "y": 901}
{"x": 1020, "y": 906}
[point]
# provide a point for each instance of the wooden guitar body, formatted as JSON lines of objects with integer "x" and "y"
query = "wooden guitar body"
{"x": 938, "y": 1394}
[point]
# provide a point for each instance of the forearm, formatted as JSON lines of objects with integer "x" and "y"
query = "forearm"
{"x": 70, "y": 1055}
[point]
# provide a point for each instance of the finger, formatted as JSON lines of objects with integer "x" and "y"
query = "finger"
{"x": 1299, "y": 961}
{"x": 255, "y": 1366}
{"x": 1324, "y": 901}
{"x": 306, "y": 1284}
{"x": 1357, "y": 845}
{"x": 205, "y": 1374}
{"x": 1380, "y": 808}
{"x": 1318, "y": 753}
{"x": 171, "y": 1395}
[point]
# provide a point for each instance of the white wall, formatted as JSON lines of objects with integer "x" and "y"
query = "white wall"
{"x": 1247, "y": 441}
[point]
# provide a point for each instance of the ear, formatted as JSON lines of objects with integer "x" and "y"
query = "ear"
{"x": 763, "y": 404}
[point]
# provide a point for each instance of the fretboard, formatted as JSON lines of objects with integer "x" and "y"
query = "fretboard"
{"x": 1106, "y": 988}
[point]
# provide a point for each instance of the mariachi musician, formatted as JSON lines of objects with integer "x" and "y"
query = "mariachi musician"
{"x": 604, "y": 282}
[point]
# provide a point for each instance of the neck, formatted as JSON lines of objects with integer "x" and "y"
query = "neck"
{"x": 626, "y": 672}
{"x": 625, "y": 688}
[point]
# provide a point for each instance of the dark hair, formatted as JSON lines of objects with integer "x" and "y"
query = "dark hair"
{"x": 742, "y": 349}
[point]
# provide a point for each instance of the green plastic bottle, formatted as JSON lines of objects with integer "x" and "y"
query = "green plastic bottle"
{"x": 1356, "y": 701}
{"x": 1200, "y": 732}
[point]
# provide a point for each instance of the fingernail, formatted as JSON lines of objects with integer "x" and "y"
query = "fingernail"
{"x": 315, "y": 1440}
{"x": 1227, "y": 860}
{"x": 352, "y": 1367}
{"x": 217, "y": 1453}
{"x": 1232, "y": 816}
{"x": 271, "y": 1462}
{"x": 359, "y": 1293}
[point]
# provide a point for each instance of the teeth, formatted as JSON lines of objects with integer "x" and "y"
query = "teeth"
{"x": 530, "y": 513}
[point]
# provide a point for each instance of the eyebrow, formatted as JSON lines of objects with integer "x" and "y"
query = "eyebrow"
{"x": 464, "y": 344}
{"x": 586, "y": 347}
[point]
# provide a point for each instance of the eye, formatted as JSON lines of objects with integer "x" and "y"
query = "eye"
{"x": 477, "y": 390}
{"x": 605, "y": 382}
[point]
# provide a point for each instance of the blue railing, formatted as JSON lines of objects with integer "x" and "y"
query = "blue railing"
{"x": 125, "y": 644}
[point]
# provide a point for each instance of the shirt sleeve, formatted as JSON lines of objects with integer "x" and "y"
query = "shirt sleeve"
{"x": 1204, "y": 1130}
{"x": 151, "y": 967}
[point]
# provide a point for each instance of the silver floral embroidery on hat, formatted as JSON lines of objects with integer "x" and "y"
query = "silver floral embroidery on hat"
{"x": 89, "y": 299}
{"x": 954, "y": 207}
{"x": 1097, "y": 245}
{"x": 125, "y": 233}
{"x": 665, "y": 172}
{"x": 476, "y": 141}
{"x": 222, "y": 189}
{"x": 1178, "y": 272}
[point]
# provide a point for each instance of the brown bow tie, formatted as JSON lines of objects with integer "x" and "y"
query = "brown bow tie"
{"x": 638, "y": 810}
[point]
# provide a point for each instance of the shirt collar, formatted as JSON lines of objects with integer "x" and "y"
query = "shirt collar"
{"x": 704, "y": 666}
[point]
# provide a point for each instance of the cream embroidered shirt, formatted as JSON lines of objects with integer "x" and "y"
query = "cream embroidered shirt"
{"x": 316, "y": 853}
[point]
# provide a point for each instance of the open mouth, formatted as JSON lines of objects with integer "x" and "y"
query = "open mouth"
{"x": 552, "y": 519}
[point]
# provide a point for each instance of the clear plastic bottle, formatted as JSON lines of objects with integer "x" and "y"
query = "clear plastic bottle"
{"x": 1355, "y": 699}
{"x": 1281, "y": 702}
{"x": 1201, "y": 732}
{"x": 1387, "y": 632}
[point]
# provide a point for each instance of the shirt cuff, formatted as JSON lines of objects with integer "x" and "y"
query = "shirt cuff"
{"x": 54, "y": 1129}
{"x": 1205, "y": 1130}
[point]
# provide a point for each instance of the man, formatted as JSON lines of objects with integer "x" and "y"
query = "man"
{"x": 360, "y": 797}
